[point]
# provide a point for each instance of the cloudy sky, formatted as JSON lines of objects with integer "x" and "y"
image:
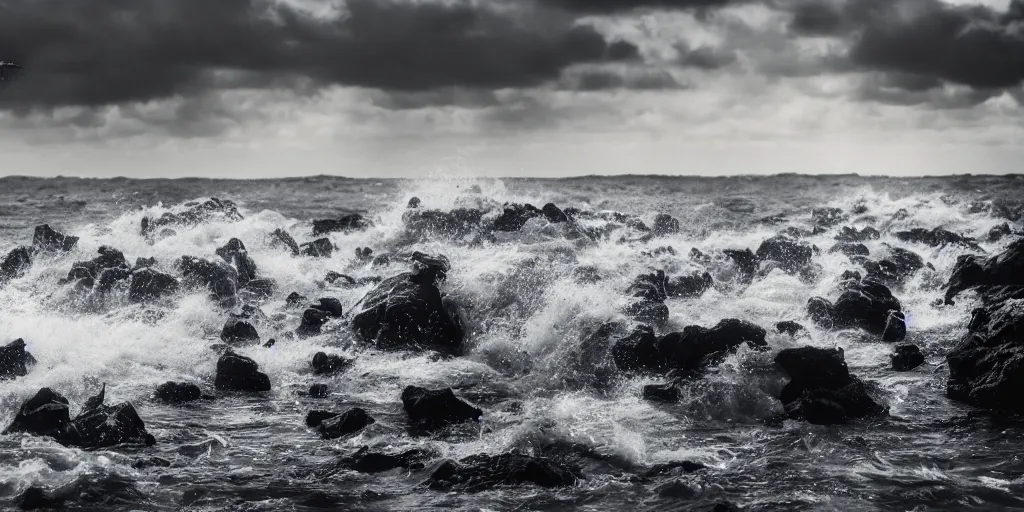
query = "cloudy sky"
{"x": 244, "y": 88}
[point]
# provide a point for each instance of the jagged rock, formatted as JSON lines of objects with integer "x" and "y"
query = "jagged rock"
{"x": 554, "y": 214}
{"x": 178, "y": 392}
{"x": 480, "y": 472}
{"x": 985, "y": 367}
{"x": 827, "y": 217}
{"x": 194, "y": 215}
{"x": 789, "y": 327}
{"x": 407, "y": 311}
{"x": 851, "y": 249}
{"x": 45, "y": 414}
{"x": 15, "y": 264}
{"x": 821, "y": 389}
{"x": 349, "y": 422}
{"x": 46, "y": 239}
{"x": 745, "y": 260}
{"x": 515, "y": 216}
{"x": 365, "y": 461}
{"x": 281, "y": 239}
{"x": 319, "y": 248}
{"x": 239, "y": 373}
{"x": 148, "y": 284}
{"x": 998, "y": 232}
{"x": 141, "y": 263}
{"x": 937, "y": 237}
{"x": 865, "y": 304}
{"x": 235, "y": 254}
{"x": 436, "y": 408}
{"x": 688, "y": 351}
{"x": 323, "y": 363}
{"x": 792, "y": 255}
{"x": 316, "y": 417}
{"x": 101, "y": 272}
{"x": 849, "y": 234}
{"x": 900, "y": 265}
{"x": 239, "y": 331}
{"x": 414, "y": 202}
{"x": 1003, "y": 269}
{"x": 347, "y": 223}
{"x": 98, "y": 426}
{"x": 260, "y": 288}
{"x": 15, "y": 361}
{"x": 221, "y": 279}
{"x": 665, "y": 225}
{"x": 906, "y": 357}
{"x": 319, "y": 391}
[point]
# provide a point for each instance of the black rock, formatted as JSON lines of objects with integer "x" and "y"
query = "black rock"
{"x": 365, "y": 461}
{"x": 312, "y": 321}
{"x": 148, "y": 284}
{"x": 347, "y": 223}
{"x": 691, "y": 286}
{"x": 407, "y": 311}
{"x": 698, "y": 347}
{"x": 848, "y": 234}
{"x": 141, "y": 263}
{"x": 260, "y": 288}
{"x": 661, "y": 392}
{"x": 319, "y": 248}
{"x": 315, "y": 417}
{"x": 456, "y": 223}
{"x": 665, "y": 224}
{"x": 826, "y": 217}
{"x": 648, "y": 311}
{"x": 985, "y": 366}
{"x": 851, "y": 249}
{"x": 436, "y": 408}
{"x": 194, "y": 215}
{"x": 998, "y": 232}
{"x": 45, "y": 414}
{"x": 235, "y": 254}
{"x": 515, "y": 216}
{"x": 221, "y": 279}
{"x": 329, "y": 305}
{"x": 821, "y": 389}
{"x": 15, "y": 264}
{"x": 1004, "y": 269}
{"x": 746, "y": 262}
{"x": 414, "y": 202}
{"x": 239, "y": 373}
{"x": 46, "y": 239}
{"x": 15, "y": 360}
{"x": 900, "y": 265}
{"x": 906, "y": 357}
{"x": 294, "y": 300}
{"x": 789, "y": 327}
{"x": 937, "y": 237}
{"x": 638, "y": 351}
{"x": 178, "y": 392}
{"x": 554, "y": 214}
{"x": 106, "y": 426}
{"x": 35, "y": 498}
{"x": 281, "y": 239}
{"x": 323, "y": 363}
{"x": 349, "y": 422}
{"x": 480, "y": 472}
{"x": 239, "y": 331}
{"x": 791, "y": 254}
{"x": 866, "y": 305}
{"x": 895, "y": 327}
{"x": 319, "y": 391}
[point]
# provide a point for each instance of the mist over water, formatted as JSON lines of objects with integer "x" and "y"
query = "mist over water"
{"x": 526, "y": 364}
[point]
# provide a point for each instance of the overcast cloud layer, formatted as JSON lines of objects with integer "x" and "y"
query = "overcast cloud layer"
{"x": 541, "y": 87}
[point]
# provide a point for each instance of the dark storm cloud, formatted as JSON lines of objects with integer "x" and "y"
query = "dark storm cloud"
{"x": 102, "y": 52}
{"x": 610, "y": 6}
{"x": 975, "y": 45}
{"x": 608, "y": 80}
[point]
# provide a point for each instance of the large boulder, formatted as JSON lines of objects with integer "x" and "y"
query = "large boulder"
{"x": 148, "y": 284}
{"x": 104, "y": 270}
{"x": 515, "y": 216}
{"x": 15, "y": 361}
{"x": 408, "y": 311}
{"x": 349, "y": 422}
{"x": 15, "y": 264}
{"x": 821, "y": 389}
{"x": 194, "y": 214}
{"x": 791, "y": 254}
{"x": 345, "y": 224}
{"x": 237, "y": 330}
{"x": 482, "y": 472}
{"x": 687, "y": 352}
{"x": 1003, "y": 269}
{"x": 900, "y": 265}
{"x": 863, "y": 304}
{"x": 45, "y": 414}
{"x": 46, "y": 239}
{"x": 281, "y": 239}
{"x": 326, "y": 364}
{"x": 319, "y": 248}
{"x": 937, "y": 237}
{"x": 235, "y": 254}
{"x": 436, "y": 408}
{"x": 219, "y": 277}
{"x": 177, "y": 392}
{"x": 239, "y": 373}
{"x": 986, "y": 368}
{"x": 97, "y": 426}
{"x": 906, "y": 357}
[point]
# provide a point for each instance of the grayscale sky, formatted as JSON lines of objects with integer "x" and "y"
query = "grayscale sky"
{"x": 251, "y": 88}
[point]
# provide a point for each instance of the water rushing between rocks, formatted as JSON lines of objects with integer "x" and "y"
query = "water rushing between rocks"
{"x": 779, "y": 343}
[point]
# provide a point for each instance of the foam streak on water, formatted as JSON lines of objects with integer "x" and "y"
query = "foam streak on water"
{"x": 527, "y": 364}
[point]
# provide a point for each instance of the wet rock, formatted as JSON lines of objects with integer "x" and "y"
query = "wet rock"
{"x": 319, "y": 391}
{"x": 849, "y": 234}
{"x": 791, "y": 254}
{"x": 850, "y": 249}
{"x": 15, "y": 264}
{"x": 313, "y": 321}
{"x": 344, "y": 424}
{"x": 691, "y": 286}
{"x": 414, "y": 202}
{"x": 456, "y": 223}
{"x": 586, "y": 274}
{"x": 98, "y": 426}
{"x": 480, "y": 472}
{"x": 985, "y": 367}
{"x": 898, "y": 267}
{"x": 821, "y": 389}
{"x": 661, "y": 392}
{"x": 221, "y": 279}
{"x": 194, "y": 215}
{"x": 726, "y": 506}
{"x": 554, "y": 214}
{"x": 689, "y": 351}
{"x": 324, "y": 364}
{"x": 15, "y": 361}
{"x": 45, "y": 414}
{"x": 365, "y": 461}
{"x": 648, "y": 311}
{"x": 937, "y": 237}
{"x": 665, "y": 224}
{"x": 148, "y": 284}
{"x": 864, "y": 304}
{"x": 260, "y": 288}
{"x": 46, "y": 239}
{"x": 239, "y": 331}
{"x": 638, "y": 351}
{"x": 239, "y": 373}
{"x": 319, "y": 248}
{"x": 281, "y": 239}
{"x": 294, "y": 300}
{"x": 110, "y": 266}
{"x": 407, "y": 311}
{"x": 789, "y": 327}
{"x": 906, "y": 357}
{"x": 364, "y": 254}
{"x": 141, "y": 263}
{"x": 827, "y": 217}
{"x": 436, "y": 408}
{"x": 235, "y": 254}
{"x": 1004, "y": 269}
{"x": 178, "y": 392}
{"x": 329, "y": 305}
{"x": 345, "y": 224}
{"x": 35, "y": 498}
{"x": 998, "y": 232}
{"x": 515, "y": 216}
{"x": 745, "y": 260}
{"x": 316, "y": 417}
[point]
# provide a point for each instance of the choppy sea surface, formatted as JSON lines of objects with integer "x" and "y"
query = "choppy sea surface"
{"x": 525, "y": 364}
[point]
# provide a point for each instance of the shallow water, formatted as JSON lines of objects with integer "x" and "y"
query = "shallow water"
{"x": 526, "y": 365}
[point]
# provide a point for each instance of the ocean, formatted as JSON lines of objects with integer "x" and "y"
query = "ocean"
{"x": 528, "y": 358}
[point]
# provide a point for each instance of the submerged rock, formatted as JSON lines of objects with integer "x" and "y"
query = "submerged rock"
{"x": 789, "y": 327}
{"x": 897, "y": 268}
{"x": 239, "y": 331}
{"x": 349, "y": 422}
{"x": 665, "y": 224}
{"x": 178, "y": 392}
{"x": 46, "y": 239}
{"x": 319, "y": 391}
{"x": 821, "y": 389}
{"x": 347, "y": 223}
{"x": 864, "y": 304}
{"x": 480, "y": 472}
{"x": 239, "y": 373}
{"x": 456, "y": 223}
{"x": 906, "y": 357}
{"x": 436, "y": 408}
{"x": 365, "y": 461}
{"x": 661, "y": 392}
{"x": 324, "y": 364}
{"x": 15, "y": 360}
{"x": 408, "y": 311}
{"x": 689, "y": 351}
{"x": 319, "y": 248}
{"x": 827, "y": 217}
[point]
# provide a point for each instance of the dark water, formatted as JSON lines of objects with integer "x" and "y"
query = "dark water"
{"x": 526, "y": 366}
